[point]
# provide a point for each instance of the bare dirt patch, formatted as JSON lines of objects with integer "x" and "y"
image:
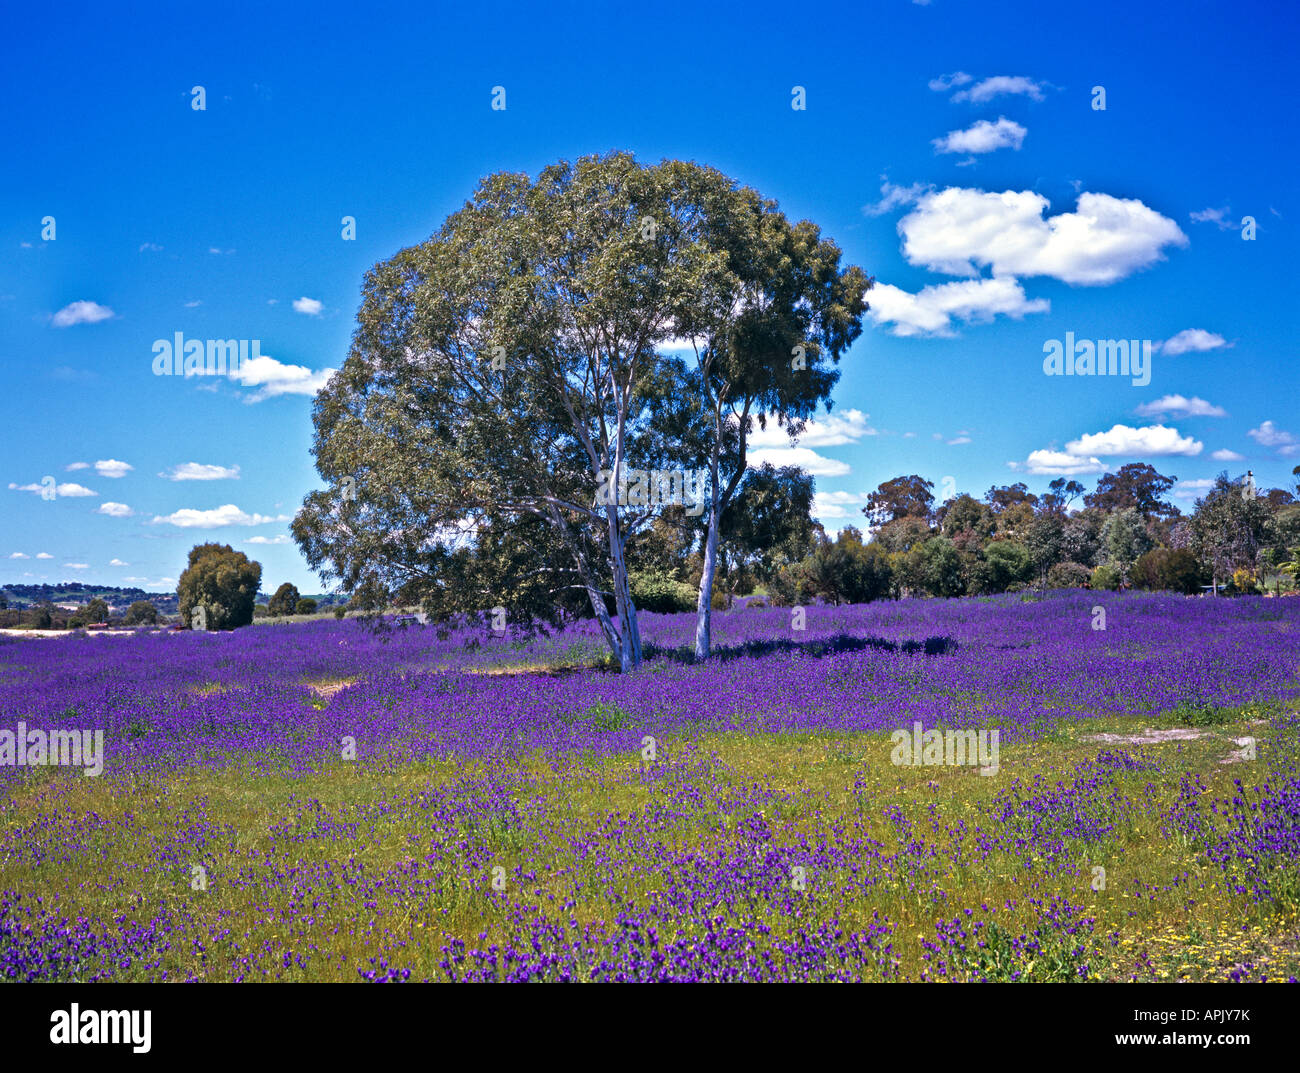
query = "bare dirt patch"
{"x": 1150, "y": 737}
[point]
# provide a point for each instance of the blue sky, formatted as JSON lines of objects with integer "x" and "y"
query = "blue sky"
{"x": 951, "y": 148}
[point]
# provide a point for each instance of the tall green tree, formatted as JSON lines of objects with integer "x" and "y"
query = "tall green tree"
{"x": 1136, "y": 485}
{"x": 901, "y": 497}
{"x": 774, "y": 314}
{"x": 1228, "y": 530}
{"x": 505, "y": 379}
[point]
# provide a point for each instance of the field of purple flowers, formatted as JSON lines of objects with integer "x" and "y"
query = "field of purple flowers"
{"x": 323, "y": 801}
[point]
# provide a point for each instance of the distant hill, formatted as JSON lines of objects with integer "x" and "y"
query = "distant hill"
{"x": 21, "y": 597}
{"x": 75, "y": 592}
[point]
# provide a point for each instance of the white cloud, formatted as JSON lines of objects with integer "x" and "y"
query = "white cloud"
{"x": 310, "y": 306}
{"x": 1050, "y": 463}
{"x": 1191, "y": 339}
{"x": 194, "y": 304}
{"x": 1123, "y": 440}
{"x": 1192, "y": 489}
{"x": 838, "y": 504}
{"x": 944, "y": 83}
{"x": 77, "y": 465}
{"x": 959, "y": 231}
{"x": 1085, "y": 454}
{"x": 983, "y": 137}
{"x": 115, "y": 510}
{"x": 281, "y": 539}
{"x": 198, "y": 471}
{"x": 957, "y": 441}
{"x": 229, "y": 514}
{"x": 1227, "y": 456}
{"x": 117, "y": 562}
{"x": 805, "y": 459}
{"x": 931, "y": 310}
{"x": 276, "y": 378}
{"x": 44, "y": 555}
{"x": 833, "y": 430}
{"x": 1180, "y": 406}
{"x": 893, "y": 197}
{"x": 111, "y": 467}
{"x": 77, "y": 566}
{"x": 1001, "y": 86}
{"x": 1218, "y": 217}
{"x": 19, "y": 555}
{"x": 152, "y": 247}
{"x": 80, "y": 313}
{"x": 69, "y": 491}
{"x": 1269, "y": 435}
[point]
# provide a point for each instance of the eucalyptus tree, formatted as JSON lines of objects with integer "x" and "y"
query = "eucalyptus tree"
{"x": 774, "y": 313}
{"x": 503, "y": 378}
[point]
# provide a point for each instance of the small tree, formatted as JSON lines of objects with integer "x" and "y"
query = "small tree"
{"x": 94, "y": 611}
{"x": 305, "y": 606}
{"x": 223, "y": 582}
{"x": 1124, "y": 539}
{"x": 285, "y": 601}
{"x": 141, "y": 613}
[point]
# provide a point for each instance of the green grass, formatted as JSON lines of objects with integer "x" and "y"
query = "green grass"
{"x": 1165, "y": 914}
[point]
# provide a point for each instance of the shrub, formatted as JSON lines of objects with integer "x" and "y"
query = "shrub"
{"x": 658, "y": 591}
{"x": 1173, "y": 569}
{"x": 305, "y": 606}
{"x": 1106, "y": 576}
{"x": 1068, "y": 576}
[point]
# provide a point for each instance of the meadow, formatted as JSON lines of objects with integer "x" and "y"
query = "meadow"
{"x": 323, "y": 801}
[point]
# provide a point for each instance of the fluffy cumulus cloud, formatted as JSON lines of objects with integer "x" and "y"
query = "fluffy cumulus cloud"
{"x": 983, "y": 137}
{"x": 773, "y": 444}
{"x": 1190, "y": 340}
{"x": 960, "y": 231}
{"x": 1192, "y": 489}
{"x": 1224, "y": 455}
{"x": 1150, "y": 440}
{"x": 80, "y": 313}
{"x": 1180, "y": 406}
{"x": 19, "y": 555}
{"x": 1269, "y": 435}
{"x": 803, "y": 457}
{"x": 115, "y": 510}
{"x": 1084, "y": 455}
{"x": 216, "y": 518}
{"x": 272, "y": 378}
{"x": 311, "y": 306}
{"x": 827, "y": 505}
{"x": 281, "y": 539}
{"x": 111, "y": 467}
{"x": 932, "y": 310}
{"x": 198, "y": 471}
{"x": 1052, "y": 463}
